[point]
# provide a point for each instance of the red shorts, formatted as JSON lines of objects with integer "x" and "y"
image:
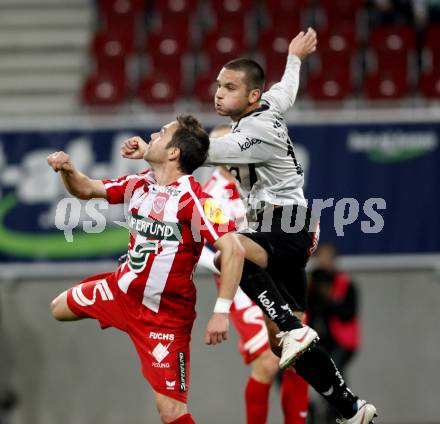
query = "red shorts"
{"x": 248, "y": 320}
{"x": 164, "y": 353}
{"x": 251, "y": 328}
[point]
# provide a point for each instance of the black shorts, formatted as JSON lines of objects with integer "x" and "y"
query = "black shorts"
{"x": 289, "y": 250}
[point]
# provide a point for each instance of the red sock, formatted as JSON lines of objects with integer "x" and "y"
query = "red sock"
{"x": 257, "y": 401}
{"x": 184, "y": 419}
{"x": 294, "y": 398}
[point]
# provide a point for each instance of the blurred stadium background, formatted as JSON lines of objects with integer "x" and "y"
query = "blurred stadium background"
{"x": 82, "y": 75}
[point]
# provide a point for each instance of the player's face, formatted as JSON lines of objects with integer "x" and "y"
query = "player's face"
{"x": 157, "y": 151}
{"x": 232, "y": 95}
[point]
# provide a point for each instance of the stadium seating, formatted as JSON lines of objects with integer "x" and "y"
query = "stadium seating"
{"x": 172, "y": 23}
{"x": 167, "y": 34}
{"x": 205, "y": 87}
{"x": 223, "y": 44}
{"x": 175, "y": 8}
{"x": 221, "y": 48}
{"x": 387, "y": 84}
{"x": 340, "y": 14}
{"x": 429, "y": 82}
{"x": 120, "y": 17}
{"x": 228, "y": 9}
{"x": 107, "y": 83}
{"x": 333, "y": 87}
{"x": 110, "y": 53}
{"x": 430, "y": 85}
{"x": 110, "y": 48}
{"x": 286, "y": 7}
{"x": 160, "y": 88}
{"x": 120, "y": 12}
{"x": 390, "y": 50}
{"x": 104, "y": 90}
{"x": 273, "y": 44}
{"x": 333, "y": 80}
{"x": 392, "y": 44}
{"x": 167, "y": 50}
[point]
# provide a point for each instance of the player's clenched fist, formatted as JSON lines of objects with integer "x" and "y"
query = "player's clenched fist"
{"x": 304, "y": 43}
{"x": 133, "y": 148}
{"x": 60, "y": 161}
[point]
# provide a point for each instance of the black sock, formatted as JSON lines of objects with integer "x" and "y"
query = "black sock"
{"x": 260, "y": 287}
{"x": 319, "y": 370}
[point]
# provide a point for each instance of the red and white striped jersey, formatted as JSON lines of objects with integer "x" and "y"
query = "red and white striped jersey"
{"x": 168, "y": 227}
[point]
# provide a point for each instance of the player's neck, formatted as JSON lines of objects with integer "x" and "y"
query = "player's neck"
{"x": 165, "y": 174}
{"x": 249, "y": 109}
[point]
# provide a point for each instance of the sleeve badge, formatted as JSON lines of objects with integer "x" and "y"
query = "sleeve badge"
{"x": 214, "y": 212}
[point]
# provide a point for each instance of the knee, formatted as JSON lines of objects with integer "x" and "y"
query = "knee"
{"x": 276, "y": 349}
{"x": 169, "y": 409}
{"x": 218, "y": 260}
{"x": 270, "y": 364}
{"x": 57, "y": 308}
{"x": 266, "y": 367}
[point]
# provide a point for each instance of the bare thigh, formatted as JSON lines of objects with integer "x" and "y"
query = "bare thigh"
{"x": 60, "y": 309}
{"x": 253, "y": 251}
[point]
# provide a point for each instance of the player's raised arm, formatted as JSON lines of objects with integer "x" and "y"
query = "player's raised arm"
{"x": 283, "y": 94}
{"x": 76, "y": 183}
{"x": 133, "y": 148}
{"x": 232, "y": 259}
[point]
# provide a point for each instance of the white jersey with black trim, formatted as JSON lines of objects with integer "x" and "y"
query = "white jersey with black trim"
{"x": 261, "y": 140}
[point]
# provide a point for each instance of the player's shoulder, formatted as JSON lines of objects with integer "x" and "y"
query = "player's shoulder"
{"x": 273, "y": 110}
{"x": 146, "y": 175}
{"x": 197, "y": 189}
{"x": 259, "y": 119}
{"x": 144, "y": 178}
{"x": 193, "y": 198}
{"x": 190, "y": 189}
{"x": 263, "y": 110}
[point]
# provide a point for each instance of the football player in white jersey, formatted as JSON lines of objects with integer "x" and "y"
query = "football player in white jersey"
{"x": 248, "y": 318}
{"x": 286, "y": 233}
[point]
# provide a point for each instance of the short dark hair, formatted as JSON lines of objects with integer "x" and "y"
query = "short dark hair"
{"x": 192, "y": 141}
{"x": 253, "y": 71}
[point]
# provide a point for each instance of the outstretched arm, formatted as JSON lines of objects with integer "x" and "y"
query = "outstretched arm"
{"x": 283, "y": 94}
{"x": 236, "y": 148}
{"x": 232, "y": 259}
{"x": 76, "y": 183}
